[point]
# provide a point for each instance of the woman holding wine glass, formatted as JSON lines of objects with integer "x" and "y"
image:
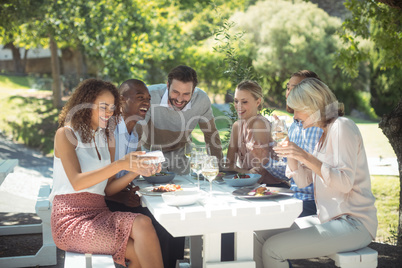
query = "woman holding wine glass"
{"x": 251, "y": 135}
{"x": 346, "y": 216}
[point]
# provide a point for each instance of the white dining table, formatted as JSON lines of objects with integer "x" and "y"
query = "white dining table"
{"x": 225, "y": 214}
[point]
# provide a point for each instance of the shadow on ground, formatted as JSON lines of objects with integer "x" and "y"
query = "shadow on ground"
{"x": 17, "y": 245}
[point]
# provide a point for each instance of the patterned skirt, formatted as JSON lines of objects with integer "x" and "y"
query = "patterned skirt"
{"x": 81, "y": 222}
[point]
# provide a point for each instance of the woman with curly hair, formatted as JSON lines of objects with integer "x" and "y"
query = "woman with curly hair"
{"x": 84, "y": 171}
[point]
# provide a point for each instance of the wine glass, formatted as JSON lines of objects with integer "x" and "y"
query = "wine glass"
{"x": 187, "y": 154}
{"x": 210, "y": 170}
{"x": 200, "y": 149}
{"x": 196, "y": 164}
{"x": 279, "y": 133}
{"x": 187, "y": 150}
{"x": 156, "y": 147}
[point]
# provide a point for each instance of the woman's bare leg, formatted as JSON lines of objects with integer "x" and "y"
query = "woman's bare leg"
{"x": 131, "y": 256}
{"x": 146, "y": 243}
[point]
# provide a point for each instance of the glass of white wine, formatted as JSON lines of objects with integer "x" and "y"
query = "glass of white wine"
{"x": 210, "y": 169}
{"x": 187, "y": 154}
{"x": 187, "y": 150}
{"x": 279, "y": 133}
{"x": 196, "y": 164}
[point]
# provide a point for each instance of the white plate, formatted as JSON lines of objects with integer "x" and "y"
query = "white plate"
{"x": 181, "y": 198}
{"x": 243, "y": 192}
{"x": 159, "y": 154}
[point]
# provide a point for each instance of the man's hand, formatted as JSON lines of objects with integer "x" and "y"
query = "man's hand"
{"x": 133, "y": 200}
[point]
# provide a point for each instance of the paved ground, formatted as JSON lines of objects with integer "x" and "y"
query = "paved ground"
{"x": 19, "y": 191}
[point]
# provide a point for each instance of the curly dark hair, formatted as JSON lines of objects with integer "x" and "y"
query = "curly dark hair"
{"x": 77, "y": 112}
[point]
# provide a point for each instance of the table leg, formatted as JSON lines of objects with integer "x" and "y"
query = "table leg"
{"x": 196, "y": 251}
{"x": 244, "y": 244}
{"x": 212, "y": 249}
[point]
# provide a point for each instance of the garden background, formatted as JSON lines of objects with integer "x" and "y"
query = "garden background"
{"x": 353, "y": 45}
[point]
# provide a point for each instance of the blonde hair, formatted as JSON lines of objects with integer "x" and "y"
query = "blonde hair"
{"x": 254, "y": 88}
{"x": 311, "y": 95}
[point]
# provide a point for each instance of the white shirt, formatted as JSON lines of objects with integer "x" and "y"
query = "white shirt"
{"x": 125, "y": 143}
{"x": 89, "y": 161}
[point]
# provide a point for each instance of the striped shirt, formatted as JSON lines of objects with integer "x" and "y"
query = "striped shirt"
{"x": 306, "y": 139}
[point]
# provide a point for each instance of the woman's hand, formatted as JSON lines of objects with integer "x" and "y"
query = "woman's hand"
{"x": 289, "y": 149}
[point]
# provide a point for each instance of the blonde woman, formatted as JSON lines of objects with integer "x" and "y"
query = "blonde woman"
{"x": 346, "y": 216}
{"x": 251, "y": 135}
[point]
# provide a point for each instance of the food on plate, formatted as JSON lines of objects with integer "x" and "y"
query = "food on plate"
{"x": 261, "y": 191}
{"x": 159, "y": 174}
{"x": 167, "y": 188}
{"x": 241, "y": 176}
{"x": 221, "y": 174}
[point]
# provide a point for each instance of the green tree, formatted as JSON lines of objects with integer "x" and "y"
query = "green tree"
{"x": 379, "y": 22}
{"x": 372, "y": 35}
{"x": 14, "y": 13}
{"x": 285, "y": 36}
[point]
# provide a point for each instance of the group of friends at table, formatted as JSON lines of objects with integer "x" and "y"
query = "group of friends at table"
{"x": 104, "y": 130}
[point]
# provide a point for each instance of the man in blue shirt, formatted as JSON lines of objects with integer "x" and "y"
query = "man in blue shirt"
{"x": 136, "y": 100}
{"x": 305, "y": 139}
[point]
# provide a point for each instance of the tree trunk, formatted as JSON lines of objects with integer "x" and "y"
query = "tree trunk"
{"x": 80, "y": 63}
{"x": 391, "y": 126}
{"x": 19, "y": 69}
{"x": 56, "y": 85}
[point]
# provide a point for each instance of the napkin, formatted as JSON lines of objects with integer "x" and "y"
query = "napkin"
{"x": 158, "y": 154}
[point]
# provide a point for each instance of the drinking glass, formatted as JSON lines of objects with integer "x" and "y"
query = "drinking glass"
{"x": 210, "y": 170}
{"x": 279, "y": 133}
{"x": 196, "y": 164}
{"x": 187, "y": 150}
{"x": 201, "y": 149}
{"x": 156, "y": 147}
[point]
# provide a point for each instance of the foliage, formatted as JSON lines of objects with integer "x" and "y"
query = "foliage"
{"x": 234, "y": 66}
{"x": 237, "y": 68}
{"x": 374, "y": 21}
{"x": 385, "y": 89}
{"x": 284, "y": 37}
{"x": 14, "y": 13}
{"x": 373, "y": 36}
{"x": 30, "y": 120}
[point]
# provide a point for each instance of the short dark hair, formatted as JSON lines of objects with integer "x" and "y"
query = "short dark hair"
{"x": 184, "y": 74}
{"x": 302, "y": 74}
{"x": 306, "y": 74}
{"x": 130, "y": 84}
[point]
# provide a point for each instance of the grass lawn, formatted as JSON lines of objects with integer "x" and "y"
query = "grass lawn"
{"x": 386, "y": 191}
{"x": 14, "y": 82}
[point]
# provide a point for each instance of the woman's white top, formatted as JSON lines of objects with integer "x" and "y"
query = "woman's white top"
{"x": 89, "y": 161}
